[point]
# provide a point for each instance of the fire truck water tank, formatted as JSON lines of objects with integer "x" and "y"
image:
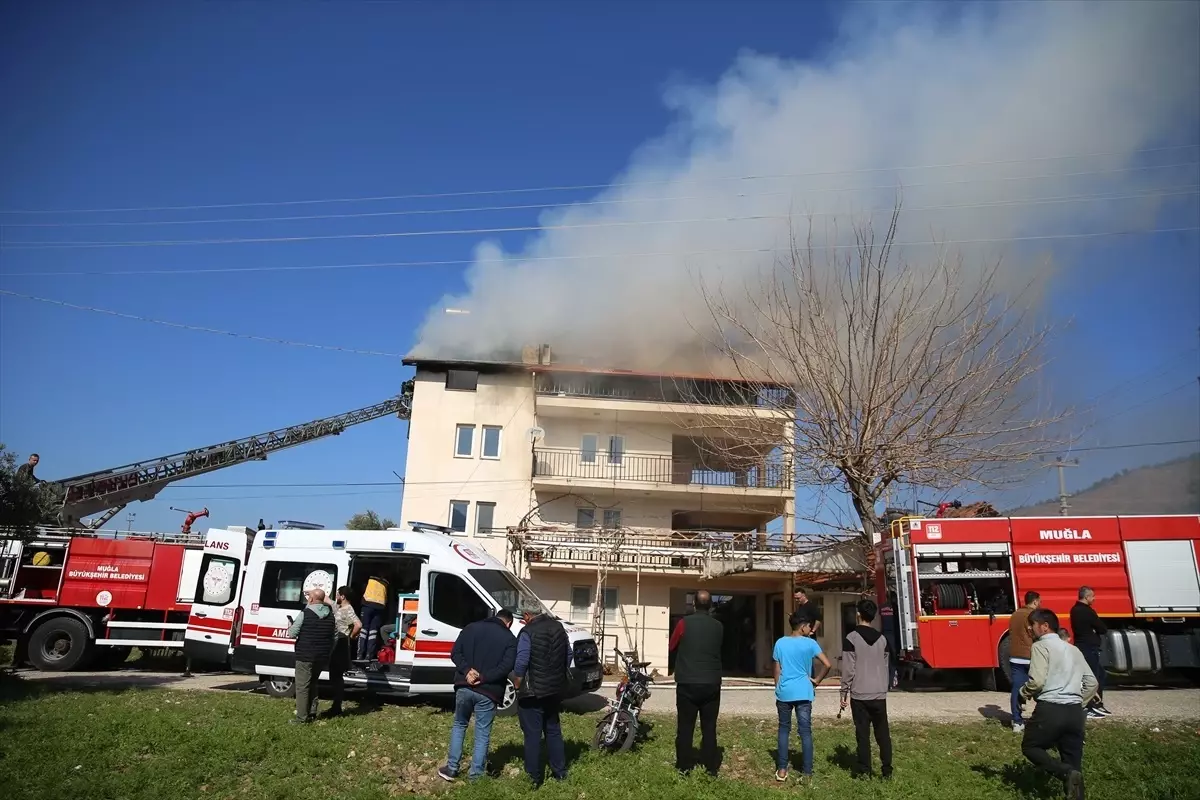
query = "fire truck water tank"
{"x": 1134, "y": 651}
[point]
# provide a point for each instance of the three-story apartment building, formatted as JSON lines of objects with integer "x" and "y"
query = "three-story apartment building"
{"x": 615, "y": 495}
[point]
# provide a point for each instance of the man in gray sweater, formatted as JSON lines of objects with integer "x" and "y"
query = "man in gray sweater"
{"x": 1062, "y": 682}
{"x": 866, "y": 676}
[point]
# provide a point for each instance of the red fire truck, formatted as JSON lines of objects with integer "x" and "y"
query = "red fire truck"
{"x": 70, "y": 594}
{"x": 947, "y": 587}
{"x": 69, "y": 598}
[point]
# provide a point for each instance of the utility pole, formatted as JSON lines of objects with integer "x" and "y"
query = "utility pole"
{"x": 129, "y": 521}
{"x": 1061, "y": 463}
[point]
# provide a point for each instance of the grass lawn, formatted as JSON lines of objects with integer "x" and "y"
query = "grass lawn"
{"x": 147, "y": 743}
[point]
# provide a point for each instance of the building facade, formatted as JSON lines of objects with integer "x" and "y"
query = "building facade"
{"x": 616, "y": 496}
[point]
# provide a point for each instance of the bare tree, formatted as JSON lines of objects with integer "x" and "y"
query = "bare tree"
{"x": 900, "y": 374}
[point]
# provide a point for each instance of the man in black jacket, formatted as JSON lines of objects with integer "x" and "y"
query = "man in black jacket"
{"x": 314, "y": 633}
{"x": 542, "y": 676}
{"x": 1089, "y": 632}
{"x": 696, "y": 642}
{"x": 483, "y": 656}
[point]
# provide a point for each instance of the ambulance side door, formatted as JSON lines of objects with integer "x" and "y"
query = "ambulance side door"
{"x": 278, "y": 600}
{"x": 449, "y": 603}
{"x": 215, "y": 599}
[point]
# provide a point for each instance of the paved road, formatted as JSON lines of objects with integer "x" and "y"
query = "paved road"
{"x": 1136, "y": 703}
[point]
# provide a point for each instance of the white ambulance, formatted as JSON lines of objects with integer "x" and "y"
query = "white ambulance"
{"x": 250, "y": 584}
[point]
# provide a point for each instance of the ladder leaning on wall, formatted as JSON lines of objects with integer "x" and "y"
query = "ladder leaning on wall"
{"x": 608, "y": 544}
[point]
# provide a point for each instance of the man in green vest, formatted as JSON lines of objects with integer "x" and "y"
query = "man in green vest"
{"x": 696, "y": 642}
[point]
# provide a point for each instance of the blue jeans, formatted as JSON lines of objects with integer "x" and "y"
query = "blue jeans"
{"x": 1092, "y": 656}
{"x": 466, "y": 703}
{"x": 1020, "y": 674}
{"x": 803, "y": 710}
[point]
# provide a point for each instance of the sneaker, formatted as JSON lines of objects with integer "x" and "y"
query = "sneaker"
{"x": 298, "y": 721}
{"x": 1018, "y": 727}
{"x": 806, "y": 780}
{"x": 781, "y": 775}
{"x": 445, "y": 774}
{"x": 1074, "y": 785}
{"x": 1102, "y": 709}
{"x": 1094, "y": 714}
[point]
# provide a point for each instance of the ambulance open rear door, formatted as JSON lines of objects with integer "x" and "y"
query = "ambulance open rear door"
{"x": 214, "y": 614}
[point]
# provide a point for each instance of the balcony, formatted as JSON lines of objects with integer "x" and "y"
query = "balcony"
{"x": 648, "y": 399}
{"x": 651, "y": 550}
{"x": 561, "y": 467}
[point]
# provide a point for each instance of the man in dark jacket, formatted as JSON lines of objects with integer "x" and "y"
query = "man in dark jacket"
{"x": 314, "y": 632}
{"x": 866, "y": 675}
{"x": 1089, "y": 632}
{"x": 483, "y": 655}
{"x": 696, "y": 642}
{"x": 542, "y": 676}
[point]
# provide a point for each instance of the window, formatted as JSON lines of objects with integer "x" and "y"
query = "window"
{"x": 491, "y": 441}
{"x": 285, "y": 582}
{"x": 458, "y": 515}
{"x": 453, "y": 602}
{"x": 616, "y": 449}
{"x": 587, "y": 451}
{"x": 464, "y": 441}
{"x": 485, "y": 518}
{"x": 610, "y": 606}
{"x": 612, "y": 518}
{"x": 508, "y": 591}
{"x": 581, "y": 603}
{"x": 585, "y": 518}
{"x": 463, "y": 380}
{"x": 218, "y": 577}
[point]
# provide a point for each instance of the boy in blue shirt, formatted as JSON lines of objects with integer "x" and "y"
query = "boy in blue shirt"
{"x": 794, "y": 691}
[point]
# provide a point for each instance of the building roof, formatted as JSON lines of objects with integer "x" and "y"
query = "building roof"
{"x": 515, "y": 365}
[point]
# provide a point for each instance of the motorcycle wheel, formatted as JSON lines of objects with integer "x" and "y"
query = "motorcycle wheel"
{"x": 622, "y": 737}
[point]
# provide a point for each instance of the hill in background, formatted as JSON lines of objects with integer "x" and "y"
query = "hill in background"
{"x": 1169, "y": 488}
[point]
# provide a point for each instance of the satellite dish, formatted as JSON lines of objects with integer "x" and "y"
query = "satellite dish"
{"x": 536, "y": 434}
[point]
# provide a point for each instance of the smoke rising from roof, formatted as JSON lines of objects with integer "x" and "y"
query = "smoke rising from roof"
{"x": 968, "y": 115}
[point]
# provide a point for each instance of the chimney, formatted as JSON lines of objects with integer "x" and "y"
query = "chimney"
{"x": 544, "y": 355}
{"x": 530, "y": 354}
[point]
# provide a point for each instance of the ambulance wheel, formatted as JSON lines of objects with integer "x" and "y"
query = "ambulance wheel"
{"x": 508, "y": 705}
{"x": 59, "y": 644}
{"x": 279, "y": 687}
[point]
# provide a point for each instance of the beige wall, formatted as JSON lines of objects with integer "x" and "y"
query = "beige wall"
{"x": 434, "y": 476}
{"x": 640, "y": 437}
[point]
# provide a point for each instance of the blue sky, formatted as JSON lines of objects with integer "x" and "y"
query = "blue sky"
{"x": 145, "y": 105}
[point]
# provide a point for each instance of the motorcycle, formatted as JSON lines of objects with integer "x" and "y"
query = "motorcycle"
{"x": 618, "y": 728}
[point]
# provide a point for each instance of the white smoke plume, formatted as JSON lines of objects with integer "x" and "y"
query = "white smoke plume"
{"x": 970, "y": 115}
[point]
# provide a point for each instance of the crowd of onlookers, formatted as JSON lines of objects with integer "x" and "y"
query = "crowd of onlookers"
{"x": 1066, "y": 680}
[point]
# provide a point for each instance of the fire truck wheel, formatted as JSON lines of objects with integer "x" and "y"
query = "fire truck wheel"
{"x": 59, "y": 644}
{"x": 279, "y": 687}
{"x": 1003, "y": 655}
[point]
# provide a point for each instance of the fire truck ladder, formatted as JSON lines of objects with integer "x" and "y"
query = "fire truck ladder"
{"x": 108, "y": 491}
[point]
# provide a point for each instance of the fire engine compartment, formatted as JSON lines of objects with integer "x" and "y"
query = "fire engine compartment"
{"x": 965, "y": 581}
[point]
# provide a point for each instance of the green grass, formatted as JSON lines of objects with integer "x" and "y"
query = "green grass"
{"x": 152, "y": 743}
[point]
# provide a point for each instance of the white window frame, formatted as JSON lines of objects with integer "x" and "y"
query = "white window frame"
{"x": 483, "y": 442}
{"x": 458, "y": 429}
{"x": 577, "y": 614}
{"x": 482, "y": 504}
{"x": 587, "y": 456}
{"x": 450, "y": 515}
{"x": 616, "y": 457}
{"x": 585, "y": 509}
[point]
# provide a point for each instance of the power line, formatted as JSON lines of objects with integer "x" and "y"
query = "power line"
{"x": 593, "y": 186}
{"x": 198, "y": 328}
{"x": 583, "y": 203}
{"x": 1142, "y": 377}
{"x": 24, "y": 245}
{"x": 1132, "y": 445}
{"x": 1146, "y": 402}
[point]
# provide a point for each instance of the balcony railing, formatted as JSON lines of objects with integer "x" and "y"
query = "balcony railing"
{"x": 550, "y": 462}
{"x": 633, "y": 548}
{"x": 667, "y": 390}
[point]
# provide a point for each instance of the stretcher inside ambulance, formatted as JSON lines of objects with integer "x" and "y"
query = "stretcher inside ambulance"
{"x": 438, "y": 580}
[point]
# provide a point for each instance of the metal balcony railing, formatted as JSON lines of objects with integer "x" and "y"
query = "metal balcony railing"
{"x": 667, "y": 390}
{"x": 552, "y": 462}
{"x": 634, "y": 548}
